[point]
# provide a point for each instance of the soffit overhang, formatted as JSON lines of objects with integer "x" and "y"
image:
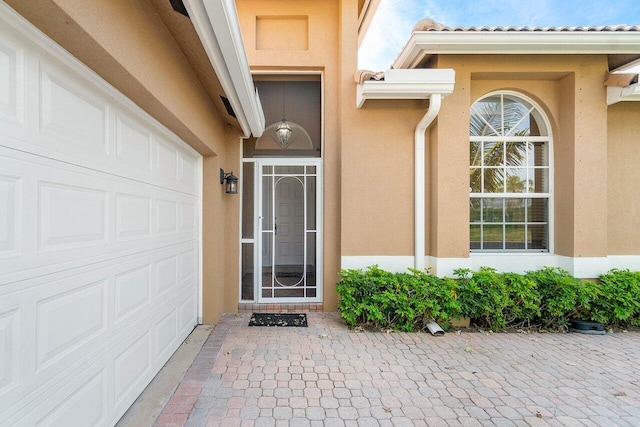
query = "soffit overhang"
{"x": 217, "y": 25}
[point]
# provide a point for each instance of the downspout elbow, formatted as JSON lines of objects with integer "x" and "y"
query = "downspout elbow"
{"x": 435, "y": 102}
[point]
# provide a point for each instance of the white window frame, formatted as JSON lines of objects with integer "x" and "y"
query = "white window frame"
{"x": 548, "y": 139}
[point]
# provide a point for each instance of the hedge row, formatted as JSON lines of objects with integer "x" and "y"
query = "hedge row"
{"x": 547, "y": 298}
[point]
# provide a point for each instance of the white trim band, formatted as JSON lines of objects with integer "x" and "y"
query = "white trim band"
{"x": 587, "y": 267}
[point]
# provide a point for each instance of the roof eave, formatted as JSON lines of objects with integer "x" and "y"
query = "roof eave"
{"x": 407, "y": 84}
{"x": 422, "y": 43}
{"x": 216, "y": 22}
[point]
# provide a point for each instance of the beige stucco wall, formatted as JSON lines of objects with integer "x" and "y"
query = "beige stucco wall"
{"x": 127, "y": 44}
{"x": 623, "y": 178}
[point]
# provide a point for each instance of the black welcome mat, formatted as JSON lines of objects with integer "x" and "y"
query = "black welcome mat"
{"x": 278, "y": 319}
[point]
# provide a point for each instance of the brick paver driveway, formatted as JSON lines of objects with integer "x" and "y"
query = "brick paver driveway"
{"x": 326, "y": 375}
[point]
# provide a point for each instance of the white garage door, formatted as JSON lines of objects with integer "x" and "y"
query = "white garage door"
{"x": 99, "y": 239}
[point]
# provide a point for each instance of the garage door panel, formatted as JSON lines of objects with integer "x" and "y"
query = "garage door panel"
{"x": 99, "y": 238}
{"x": 9, "y": 340}
{"x": 72, "y": 215}
{"x": 11, "y": 81}
{"x": 10, "y": 214}
{"x": 91, "y": 302}
{"x": 71, "y": 114}
{"x": 134, "y": 142}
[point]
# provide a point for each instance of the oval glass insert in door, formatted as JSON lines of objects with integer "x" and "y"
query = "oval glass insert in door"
{"x": 289, "y": 230}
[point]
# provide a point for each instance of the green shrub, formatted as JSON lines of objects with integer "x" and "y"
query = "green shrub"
{"x": 497, "y": 300}
{"x": 562, "y": 296}
{"x": 619, "y": 300}
{"x": 547, "y": 298}
{"x": 401, "y": 301}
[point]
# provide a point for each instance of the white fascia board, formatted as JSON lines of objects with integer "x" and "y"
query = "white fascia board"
{"x": 424, "y": 43}
{"x": 407, "y": 84}
{"x": 216, "y": 22}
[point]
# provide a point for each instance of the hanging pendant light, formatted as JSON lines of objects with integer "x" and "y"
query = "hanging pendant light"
{"x": 284, "y": 134}
{"x": 283, "y": 131}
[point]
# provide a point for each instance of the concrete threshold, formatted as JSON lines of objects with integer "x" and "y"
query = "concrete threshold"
{"x": 148, "y": 406}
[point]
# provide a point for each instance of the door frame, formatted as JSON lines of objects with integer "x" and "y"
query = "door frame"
{"x": 257, "y": 224}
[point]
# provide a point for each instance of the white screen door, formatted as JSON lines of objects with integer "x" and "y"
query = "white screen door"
{"x": 290, "y": 239}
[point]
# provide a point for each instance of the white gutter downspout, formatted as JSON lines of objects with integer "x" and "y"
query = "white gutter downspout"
{"x": 422, "y": 83}
{"x": 435, "y": 101}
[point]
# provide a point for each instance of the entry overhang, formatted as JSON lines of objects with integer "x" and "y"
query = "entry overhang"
{"x": 216, "y": 22}
{"x": 419, "y": 83}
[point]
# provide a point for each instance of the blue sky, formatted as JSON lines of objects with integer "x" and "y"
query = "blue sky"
{"x": 395, "y": 19}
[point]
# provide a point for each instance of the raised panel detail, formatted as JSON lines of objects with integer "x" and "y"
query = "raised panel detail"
{"x": 188, "y": 313}
{"x": 132, "y": 290}
{"x": 85, "y": 407}
{"x": 9, "y": 215}
{"x": 166, "y": 332}
{"x": 71, "y": 114}
{"x": 188, "y": 169}
{"x": 67, "y": 320}
{"x": 133, "y": 216}
{"x": 71, "y": 216}
{"x": 188, "y": 217}
{"x": 133, "y": 144}
{"x": 165, "y": 274}
{"x": 166, "y": 216}
{"x": 9, "y": 350}
{"x": 166, "y": 159}
{"x": 187, "y": 265}
{"x": 130, "y": 365}
{"x": 11, "y": 82}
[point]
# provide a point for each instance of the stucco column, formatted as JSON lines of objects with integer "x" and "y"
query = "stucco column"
{"x": 581, "y": 163}
{"x": 449, "y": 174}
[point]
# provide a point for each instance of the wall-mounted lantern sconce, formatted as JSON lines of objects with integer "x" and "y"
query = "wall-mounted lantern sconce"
{"x": 232, "y": 182}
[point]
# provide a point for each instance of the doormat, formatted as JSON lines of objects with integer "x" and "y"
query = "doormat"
{"x": 278, "y": 319}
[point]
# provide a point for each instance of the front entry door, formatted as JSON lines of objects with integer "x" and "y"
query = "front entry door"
{"x": 290, "y": 239}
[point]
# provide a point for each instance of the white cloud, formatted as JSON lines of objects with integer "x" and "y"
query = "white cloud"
{"x": 388, "y": 32}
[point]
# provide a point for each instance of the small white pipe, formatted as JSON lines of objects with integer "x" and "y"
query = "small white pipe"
{"x": 435, "y": 101}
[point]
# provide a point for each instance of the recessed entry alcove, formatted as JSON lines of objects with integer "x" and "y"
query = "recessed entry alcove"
{"x": 282, "y": 194}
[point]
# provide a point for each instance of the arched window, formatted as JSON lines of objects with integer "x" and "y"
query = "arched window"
{"x": 510, "y": 175}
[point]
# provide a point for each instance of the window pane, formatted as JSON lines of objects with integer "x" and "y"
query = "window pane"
{"x": 289, "y": 170}
{"x": 493, "y": 154}
{"x": 267, "y": 205}
{"x": 515, "y": 236}
{"x": 515, "y": 210}
{"x": 538, "y": 237}
{"x": 247, "y": 271}
{"x": 475, "y": 180}
{"x": 492, "y": 237}
{"x": 311, "y": 259}
{"x": 311, "y": 202}
{"x": 247, "y": 200}
{"x": 538, "y": 180}
{"x": 538, "y": 153}
{"x": 516, "y": 153}
{"x": 537, "y": 210}
{"x": 516, "y": 117}
{"x": 475, "y": 154}
{"x": 486, "y": 117}
{"x": 516, "y": 180}
{"x": 494, "y": 180}
{"x": 475, "y": 236}
{"x": 492, "y": 210}
{"x": 311, "y": 169}
{"x": 474, "y": 210}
